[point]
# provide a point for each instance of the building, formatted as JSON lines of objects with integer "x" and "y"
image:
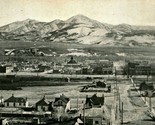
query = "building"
{"x": 104, "y": 67}
{"x": 6, "y": 68}
{"x": 72, "y": 63}
{"x": 100, "y": 83}
{"x": 91, "y": 120}
{"x": 94, "y": 101}
{"x": 138, "y": 68}
{"x": 94, "y": 120}
{"x": 17, "y": 102}
{"x": 72, "y": 67}
{"x": 145, "y": 86}
{"x": 42, "y": 105}
{"x": 2, "y": 69}
{"x": 62, "y": 101}
{"x": 1, "y": 101}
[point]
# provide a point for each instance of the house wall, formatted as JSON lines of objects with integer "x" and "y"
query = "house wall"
{"x": 27, "y": 104}
{"x": 59, "y": 103}
{"x": 5, "y": 122}
{"x": 9, "y": 69}
{"x": 67, "y": 106}
{"x": 95, "y": 120}
{"x": 11, "y": 104}
{"x": 42, "y": 108}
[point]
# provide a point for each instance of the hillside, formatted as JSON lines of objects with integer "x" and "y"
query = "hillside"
{"x": 79, "y": 29}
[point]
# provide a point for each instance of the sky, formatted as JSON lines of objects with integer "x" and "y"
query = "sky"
{"x": 134, "y": 12}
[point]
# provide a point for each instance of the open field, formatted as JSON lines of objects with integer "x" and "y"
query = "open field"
{"x": 134, "y": 106}
{"x": 103, "y": 52}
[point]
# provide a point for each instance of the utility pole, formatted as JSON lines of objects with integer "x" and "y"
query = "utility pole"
{"x": 122, "y": 113}
{"x": 115, "y": 77}
{"x": 150, "y": 103}
{"x": 78, "y": 103}
{"x": 84, "y": 114}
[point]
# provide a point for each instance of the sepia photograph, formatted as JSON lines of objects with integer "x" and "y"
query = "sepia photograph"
{"x": 77, "y": 62}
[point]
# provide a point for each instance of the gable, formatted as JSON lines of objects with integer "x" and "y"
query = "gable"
{"x": 16, "y": 99}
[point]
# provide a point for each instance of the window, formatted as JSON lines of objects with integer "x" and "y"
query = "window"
{"x": 20, "y": 104}
{"x": 59, "y": 103}
{"x": 24, "y": 104}
{"x": 7, "y": 104}
{"x": 14, "y": 104}
{"x": 96, "y": 122}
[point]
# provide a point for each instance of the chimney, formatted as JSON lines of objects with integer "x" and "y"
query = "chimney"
{"x": 44, "y": 97}
{"x": 86, "y": 96}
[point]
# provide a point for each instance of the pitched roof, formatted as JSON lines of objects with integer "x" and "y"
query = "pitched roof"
{"x": 16, "y": 99}
{"x": 146, "y": 85}
{"x": 63, "y": 98}
{"x": 95, "y": 100}
{"x": 72, "y": 61}
{"x": 42, "y": 102}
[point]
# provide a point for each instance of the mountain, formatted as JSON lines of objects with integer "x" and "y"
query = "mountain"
{"x": 79, "y": 29}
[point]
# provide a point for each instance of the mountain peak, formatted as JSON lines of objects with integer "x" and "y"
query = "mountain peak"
{"x": 79, "y": 16}
{"x": 78, "y": 19}
{"x": 29, "y": 20}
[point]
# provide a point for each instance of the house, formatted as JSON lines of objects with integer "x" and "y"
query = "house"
{"x": 72, "y": 63}
{"x": 16, "y": 102}
{"x": 94, "y": 120}
{"x": 78, "y": 122}
{"x": 42, "y": 105}
{"x": 2, "y": 69}
{"x": 94, "y": 101}
{"x": 100, "y": 83}
{"x": 62, "y": 101}
{"x": 91, "y": 120}
{"x": 102, "y": 67}
{"x": 4, "y": 121}
{"x": 6, "y": 68}
{"x": 144, "y": 86}
{"x": 1, "y": 101}
{"x": 138, "y": 68}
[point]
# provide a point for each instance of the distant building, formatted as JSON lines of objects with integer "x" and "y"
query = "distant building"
{"x": 100, "y": 83}
{"x": 144, "y": 86}
{"x": 72, "y": 67}
{"x": 1, "y": 101}
{"x": 42, "y": 105}
{"x": 2, "y": 69}
{"x": 16, "y": 102}
{"x": 102, "y": 67}
{"x": 72, "y": 63}
{"x": 91, "y": 120}
{"x": 138, "y": 68}
{"x": 94, "y": 120}
{"x": 94, "y": 101}
{"x": 62, "y": 101}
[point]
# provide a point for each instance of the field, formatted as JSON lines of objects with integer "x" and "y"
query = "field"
{"x": 103, "y": 52}
{"x": 134, "y": 107}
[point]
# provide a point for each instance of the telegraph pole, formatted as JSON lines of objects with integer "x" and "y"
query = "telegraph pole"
{"x": 115, "y": 77}
{"x": 84, "y": 114}
{"x": 150, "y": 103}
{"x": 122, "y": 113}
{"x": 77, "y": 102}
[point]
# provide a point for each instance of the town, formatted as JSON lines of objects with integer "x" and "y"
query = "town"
{"x": 103, "y": 92}
{"x": 77, "y": 62}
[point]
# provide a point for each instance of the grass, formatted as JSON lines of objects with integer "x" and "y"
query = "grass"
{"x": 105, "y": 52}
